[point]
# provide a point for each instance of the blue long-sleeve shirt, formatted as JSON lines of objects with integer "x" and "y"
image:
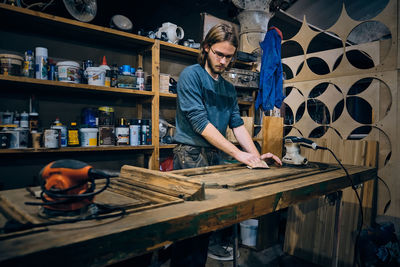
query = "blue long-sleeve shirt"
{"x": 271, "y": 82}
{"x": 202, "y": 100}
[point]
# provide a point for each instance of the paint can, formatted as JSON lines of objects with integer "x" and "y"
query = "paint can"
{"x": 69, "y": 71}
{"x": 95, "y": 75}
{"x": 88, "y": 137}
{"x": 106, "y": 116}
{"x": 11, "y": 64}
{"x": 106, "y": 136}
{"x": 4, "y": 140}
{"x": 89, "y": 117}
{"x": 122, "y": 133}
{"x": 18, "y": 137}
{"x": 51, "y": 138}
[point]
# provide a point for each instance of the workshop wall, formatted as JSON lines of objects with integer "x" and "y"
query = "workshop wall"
{"x": 348, "y": 91}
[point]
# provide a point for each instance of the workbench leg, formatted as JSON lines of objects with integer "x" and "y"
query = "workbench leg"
{"x": 336, "y": 233}
{"x": 235, "y": 245}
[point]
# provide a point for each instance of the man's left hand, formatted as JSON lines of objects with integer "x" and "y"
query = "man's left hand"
{"x": 269, "y": 157}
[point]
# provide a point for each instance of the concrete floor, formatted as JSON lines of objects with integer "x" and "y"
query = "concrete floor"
{"x": 271, "y": 257}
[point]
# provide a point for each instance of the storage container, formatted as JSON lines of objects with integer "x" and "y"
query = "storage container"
{"x": 69, "y": 71}
{"x": 11, "y": 64}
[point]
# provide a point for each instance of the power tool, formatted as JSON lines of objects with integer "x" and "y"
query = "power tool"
{"x": 292, "y": 146}
{"x": 68, "y": 185}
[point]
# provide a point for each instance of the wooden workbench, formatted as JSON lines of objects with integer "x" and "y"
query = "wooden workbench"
{"x": 98, "y": 243}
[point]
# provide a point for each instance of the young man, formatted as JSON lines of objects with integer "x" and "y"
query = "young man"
{"x": 206, "y": 105}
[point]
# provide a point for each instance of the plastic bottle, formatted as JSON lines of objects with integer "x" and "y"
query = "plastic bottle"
{"x": 73, "y": 135}
{"x": 104, "y": 64}
{"x": 29, "y": 65}
{"x": 63, "y": 130}
{"x": 41, "y": 63}
{"x": 17, "y": 119}
{"x": 24, "y": 120}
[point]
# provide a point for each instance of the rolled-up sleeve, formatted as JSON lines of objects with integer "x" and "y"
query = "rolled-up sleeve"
{"x": 190, "y": 101}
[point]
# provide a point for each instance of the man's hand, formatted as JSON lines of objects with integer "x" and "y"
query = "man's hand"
{"x": 271, "y": 158}
{"x": 252, "y": 161}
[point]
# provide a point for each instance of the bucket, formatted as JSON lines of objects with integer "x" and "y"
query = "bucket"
{"x": 69, "y": 71}
{"x": 248, "y": 232}
{"x": 95, "y": 75}
{"x": 11, "y": 64}
{"x": 88, "y": 137}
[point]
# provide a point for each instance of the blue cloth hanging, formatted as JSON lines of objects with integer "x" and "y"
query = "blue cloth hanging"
{"x": 271, "y": 82}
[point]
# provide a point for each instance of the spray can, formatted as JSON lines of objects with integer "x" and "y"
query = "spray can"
{"x": 146, "y": 132}
{"x": 63, "y": 132}
{"x": 140, "y": 78}
{"x": 134, "y": 132}
{"x": 41, "y": 63}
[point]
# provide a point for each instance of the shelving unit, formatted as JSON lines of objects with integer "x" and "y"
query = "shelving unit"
{"x": 58, "y": 32}
{"x": 62, "y": 34}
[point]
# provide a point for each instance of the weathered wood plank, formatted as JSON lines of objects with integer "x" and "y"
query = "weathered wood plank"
{"x": 163, "y": 182}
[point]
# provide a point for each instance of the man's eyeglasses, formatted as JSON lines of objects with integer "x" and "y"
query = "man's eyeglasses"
{"x": 220, "y": 55}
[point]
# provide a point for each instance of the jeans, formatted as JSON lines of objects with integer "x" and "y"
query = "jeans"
{"x": 186, "y": 156}
{"x": 192, "y": 251}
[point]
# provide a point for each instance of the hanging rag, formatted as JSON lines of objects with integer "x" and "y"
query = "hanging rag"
{"x": 271, "y": 82}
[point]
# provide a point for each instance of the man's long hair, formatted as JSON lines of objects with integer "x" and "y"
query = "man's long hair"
{"x": 218, "y": 33}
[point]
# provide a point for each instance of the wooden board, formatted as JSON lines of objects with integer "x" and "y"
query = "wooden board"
{"x": 136, "y": 189}
{"x": 107, "y": 241}
{"x": 239, "y": 177}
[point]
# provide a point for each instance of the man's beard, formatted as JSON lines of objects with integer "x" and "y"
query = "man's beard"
{"x": 216, "y": 69}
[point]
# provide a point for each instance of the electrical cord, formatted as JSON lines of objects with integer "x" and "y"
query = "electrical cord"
{"x": 58, "y": 193}
{"x": 105, "y": 214}
{"x": 390, "y": 195}
{"x": 359, "y": 227}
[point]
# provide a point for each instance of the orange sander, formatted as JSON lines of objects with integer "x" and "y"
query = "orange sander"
{"x": 68, "y": 185}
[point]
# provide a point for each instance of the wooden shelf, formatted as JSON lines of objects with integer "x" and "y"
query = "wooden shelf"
{"x": 179, "y": 49}
{"x": 168, "y": 95}
{"x": 75, "y": 149}
{"x": 16, "y": 18}
{"x": 31, "y": 82}
{"x": 167, "y": 146}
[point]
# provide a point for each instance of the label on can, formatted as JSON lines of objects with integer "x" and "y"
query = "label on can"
{"x": 134, "y": 135}
{"x": 51, "y": 138}
{"x": 106, "y": 136}
{"x": 122, "y": 135}
{"x": 63, "y": 134}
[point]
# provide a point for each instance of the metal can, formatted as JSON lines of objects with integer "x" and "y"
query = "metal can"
{"x": 134, "y": 133}
{"x": 51, "y": 138}
{"x": 52, "y": 73}
{"x": 18, "y": 137}
{"x": 106, "y": 136}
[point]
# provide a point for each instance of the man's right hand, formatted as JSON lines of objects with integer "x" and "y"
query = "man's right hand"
{"x": 250, "y": 160}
